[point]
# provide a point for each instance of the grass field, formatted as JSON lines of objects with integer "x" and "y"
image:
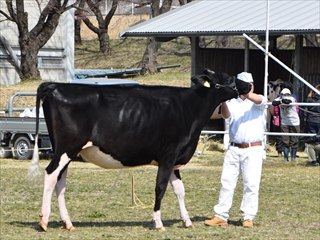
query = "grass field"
{"x": 100, "y": 202}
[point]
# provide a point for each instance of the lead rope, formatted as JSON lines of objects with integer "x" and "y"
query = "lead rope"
{"x": 134, "y": 198}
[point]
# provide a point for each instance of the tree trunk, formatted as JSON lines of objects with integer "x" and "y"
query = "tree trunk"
{"x": 77, "y": 22}
{"x": 149, "y": 60}
{"x": 29, "y": 61}
{"x": 104, "y": 41}
{"x": 77, "y": 31}
{"x": 223, "y": 41}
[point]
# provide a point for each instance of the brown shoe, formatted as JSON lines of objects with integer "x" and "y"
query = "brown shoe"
{"x": 247, "y": 223}
{"x": 215, "y": 221}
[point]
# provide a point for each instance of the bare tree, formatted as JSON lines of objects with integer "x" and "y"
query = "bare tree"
{"x": 102, "y": 29}
{"x": 223, "y": 41}
{"x": 149, "y": 59}
{"x": 79, "y": 16}
{"x": 32, "y": 41}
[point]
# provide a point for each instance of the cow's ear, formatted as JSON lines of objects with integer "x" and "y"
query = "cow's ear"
{"x": 203, "y": 80}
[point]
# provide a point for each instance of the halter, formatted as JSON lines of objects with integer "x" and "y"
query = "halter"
{"x": 232, "y": 85}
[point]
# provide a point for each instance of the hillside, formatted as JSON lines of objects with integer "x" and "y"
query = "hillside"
{"x": 125, "y": 53}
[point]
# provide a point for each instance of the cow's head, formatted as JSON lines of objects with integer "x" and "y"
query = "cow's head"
{"x": 275, "y": 87}
{"x": 213, "y": 80}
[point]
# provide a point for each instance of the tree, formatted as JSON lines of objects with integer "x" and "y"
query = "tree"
{"x": 32, "y": 41}
{"x": 77, "y": 22}
{"x": 149, "y": 59}
{"x": 102, "y": 29}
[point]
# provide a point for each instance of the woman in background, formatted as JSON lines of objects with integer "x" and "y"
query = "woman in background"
{"x": 290, "y": 122}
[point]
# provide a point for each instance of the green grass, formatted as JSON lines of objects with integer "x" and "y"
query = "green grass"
{"x": 289, "y": 202}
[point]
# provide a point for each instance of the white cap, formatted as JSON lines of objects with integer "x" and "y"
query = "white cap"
{"x": 285, "y": 91}
{"x": 246, "y": 77}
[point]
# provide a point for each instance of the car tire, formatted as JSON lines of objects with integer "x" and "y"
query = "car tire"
{"x": 23, "y": 149}
{"x": 5, "y": 152}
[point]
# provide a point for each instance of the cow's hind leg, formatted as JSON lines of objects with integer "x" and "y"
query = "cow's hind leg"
{"x": 178, "y": 189}
{"x": 60, "y": 190}
{"x": 50, "y": 180}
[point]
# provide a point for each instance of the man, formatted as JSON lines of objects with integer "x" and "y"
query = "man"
{"x": 247, "y": 119}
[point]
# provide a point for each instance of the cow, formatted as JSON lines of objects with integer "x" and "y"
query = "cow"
{"x": 124, "y": 126}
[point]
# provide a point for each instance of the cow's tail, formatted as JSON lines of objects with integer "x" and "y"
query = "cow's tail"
{"x": 35, "y": 171}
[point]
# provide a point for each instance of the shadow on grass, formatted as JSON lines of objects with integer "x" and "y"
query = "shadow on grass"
{"x": 145, "y": 224}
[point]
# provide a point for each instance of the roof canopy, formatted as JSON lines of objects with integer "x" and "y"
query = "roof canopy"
{"x": 232, "y": 17}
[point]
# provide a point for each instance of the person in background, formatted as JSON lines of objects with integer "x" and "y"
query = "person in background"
{"x": 313, "y": 126}
{"x": 290, "y": 123}
{"x": 313, "y": 112}
{"x": 247, "y": 124}
{"x": 313, "y": 150}
{"x": 275, "y": 111}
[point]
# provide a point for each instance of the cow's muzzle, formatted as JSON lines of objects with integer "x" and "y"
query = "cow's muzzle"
{"x": 232, "y": 85}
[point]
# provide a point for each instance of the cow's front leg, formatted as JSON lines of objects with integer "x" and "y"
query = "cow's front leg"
{"x": 160, "y": 189}
{"x": 178, "y": 189}
{"x": 60, "y": 190}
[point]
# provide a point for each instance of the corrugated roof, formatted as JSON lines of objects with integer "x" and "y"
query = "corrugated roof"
{"x": 232, "y": 17}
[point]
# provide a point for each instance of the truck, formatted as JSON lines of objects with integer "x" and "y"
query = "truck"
{"x": 17, "y": 134}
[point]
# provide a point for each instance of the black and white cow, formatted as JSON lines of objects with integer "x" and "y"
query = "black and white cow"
{"x": 125, "y": 126}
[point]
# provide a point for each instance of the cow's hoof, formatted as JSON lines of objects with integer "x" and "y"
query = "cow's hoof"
{"x": 161, "y": 228}
{"x": 43, "y": 226}
{"x": 70, "y": 228}
{"x": 184, "y": 224}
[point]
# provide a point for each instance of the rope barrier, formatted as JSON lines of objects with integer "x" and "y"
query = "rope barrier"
{"x": 14, "y": 149}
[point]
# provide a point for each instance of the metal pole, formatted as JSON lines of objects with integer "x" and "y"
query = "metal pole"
{"x": 267, "y": 133}
{"x": 266, "y": 54}
{"x": 282, "y": 64}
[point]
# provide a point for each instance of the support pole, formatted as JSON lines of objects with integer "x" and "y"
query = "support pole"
{"x": 266, "y": 58}
{"x": 282, "y": 64}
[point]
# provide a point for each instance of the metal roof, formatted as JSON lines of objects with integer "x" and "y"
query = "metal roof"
{"x": 232, "y": 17}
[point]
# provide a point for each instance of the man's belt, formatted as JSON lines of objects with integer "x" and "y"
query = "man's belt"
{"x": 246, "y": 145}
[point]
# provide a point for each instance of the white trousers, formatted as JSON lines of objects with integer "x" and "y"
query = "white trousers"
{"x": 248, "y": 162}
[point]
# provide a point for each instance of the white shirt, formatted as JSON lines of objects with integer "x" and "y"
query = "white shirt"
{"x": 247, "y": 120}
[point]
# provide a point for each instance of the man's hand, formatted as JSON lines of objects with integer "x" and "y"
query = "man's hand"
{"x": 253, "y": 96}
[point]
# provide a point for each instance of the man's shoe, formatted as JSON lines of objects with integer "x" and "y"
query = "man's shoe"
{"x": 247, "y": 223}
{"x": 312, "y": 164}
{"x": 215, "y": 221}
